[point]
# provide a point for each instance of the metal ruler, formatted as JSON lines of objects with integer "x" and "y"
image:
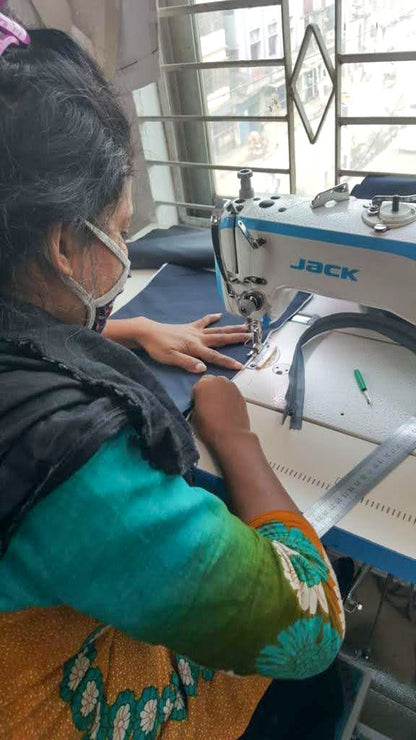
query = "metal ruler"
{"x": 344, "y": 495}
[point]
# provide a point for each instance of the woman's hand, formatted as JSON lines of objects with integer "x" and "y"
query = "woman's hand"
{"x": 220, "y": 411}
{"x": 221, "y": 420}
{"x": 188, "y": 346}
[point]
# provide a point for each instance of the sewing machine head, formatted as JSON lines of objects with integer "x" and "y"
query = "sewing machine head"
{"x": 269, "y": 248}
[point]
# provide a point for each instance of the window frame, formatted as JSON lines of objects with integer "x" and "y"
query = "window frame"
{"x": 203, "y": 170}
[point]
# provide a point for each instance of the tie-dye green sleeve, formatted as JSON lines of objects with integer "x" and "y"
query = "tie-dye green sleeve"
{"x": 168, "y": 564}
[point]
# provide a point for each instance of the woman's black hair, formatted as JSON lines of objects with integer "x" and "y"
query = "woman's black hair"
{"x": 65, "y": 147}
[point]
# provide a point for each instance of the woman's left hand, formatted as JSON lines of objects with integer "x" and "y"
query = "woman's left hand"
{"x": 189, "y": 346}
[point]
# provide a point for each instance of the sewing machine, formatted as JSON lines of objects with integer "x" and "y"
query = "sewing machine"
{"x": 339, "y": 427}
{"x": 352, "y": 255}
{"x": 269, "y": 248}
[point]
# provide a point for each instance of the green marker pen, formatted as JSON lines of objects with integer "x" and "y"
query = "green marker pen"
{"x": 362, "y": 386}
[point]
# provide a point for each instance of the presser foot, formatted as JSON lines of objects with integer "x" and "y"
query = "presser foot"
{"x": 256, "y": 337}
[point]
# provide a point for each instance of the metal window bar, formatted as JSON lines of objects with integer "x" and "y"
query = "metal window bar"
{"x": 228, "y": 64}
{"x": 338, "y": 87}
{"x": 340, "y": 59}
{"x": 201, "y": 90}
{"x": 210, "y": 119}
{"x": 289, "y": 97}
{"x": 212, "y": 7}
{"x": 376, "y": 120}
{"x": 183, "y": 204}
{"x": 213, "y": 166}
{"x": 380, "y": 56}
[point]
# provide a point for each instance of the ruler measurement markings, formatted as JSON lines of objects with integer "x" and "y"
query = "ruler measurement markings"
{"x": 348, "y": 491}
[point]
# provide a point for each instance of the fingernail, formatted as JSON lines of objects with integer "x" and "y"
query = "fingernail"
{"x": 200, "y": 367}
{"x": 218, "y": 315}
{"x": 237, "y": 365}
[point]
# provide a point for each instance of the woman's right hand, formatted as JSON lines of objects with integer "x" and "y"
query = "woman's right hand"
{"x": 222, "y": 422}
{"x": 220, "y": 410}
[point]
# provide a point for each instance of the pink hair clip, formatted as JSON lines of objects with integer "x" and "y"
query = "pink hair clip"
{"x": 11, "y": 33}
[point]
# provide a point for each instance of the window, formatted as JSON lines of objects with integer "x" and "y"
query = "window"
{"x": 255, "y": 44}
{"x": 310, "y": 87}
{"x": 244, "y": 83}
{"x": 272, "y": 31}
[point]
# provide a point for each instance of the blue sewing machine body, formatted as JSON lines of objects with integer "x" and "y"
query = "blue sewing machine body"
{"x": 337, "y": 246}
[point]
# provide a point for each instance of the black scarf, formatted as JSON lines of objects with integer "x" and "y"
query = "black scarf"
{"x": 64, "y": 390}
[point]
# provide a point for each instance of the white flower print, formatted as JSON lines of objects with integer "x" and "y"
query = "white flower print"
{"x": 96, "y": 724}
{"x": 340, "y": 605}
{"x": 78, "y": 671}
{"x": 121, "y": 722}
{"x": 148, "y": 716}
{"x": 89, "y": 698}
{"x": 179, "y": 702}
{"x": 185, "y": 672}
{"x": 168, "y": 709}
{"x": 309, "y": 597}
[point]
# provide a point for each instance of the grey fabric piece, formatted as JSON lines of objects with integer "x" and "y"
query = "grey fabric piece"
{"x": 384, "y": 185}
{"x": 180, "y": 295}
{"x": 390, "y": 326}
{"x": 179, "y": 245}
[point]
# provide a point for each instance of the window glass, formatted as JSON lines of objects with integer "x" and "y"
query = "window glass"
{"x": 378, "y": 25}
{"x": 368, "y": 89}
{"x": 379, "y": 148}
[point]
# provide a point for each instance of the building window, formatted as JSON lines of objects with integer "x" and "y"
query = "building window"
{"x": 255, "y": 44}
{"x": 310, "y": 86}
{"x": 272, "y": 31}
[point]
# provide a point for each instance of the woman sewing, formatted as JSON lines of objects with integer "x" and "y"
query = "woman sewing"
{"x": 132, "y": 605}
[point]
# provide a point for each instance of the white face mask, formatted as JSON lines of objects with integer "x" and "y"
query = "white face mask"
{"x": 99, "y": 309}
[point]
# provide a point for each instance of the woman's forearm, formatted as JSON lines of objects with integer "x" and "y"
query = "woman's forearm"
{"x": 124, "y": 331}
{"x": 253, "y": 486}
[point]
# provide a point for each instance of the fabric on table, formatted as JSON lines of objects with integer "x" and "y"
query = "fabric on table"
{"x": 179, "y": 295}
{"x": 179, "y": 245}
{"x": 168, "y": 565}
{"x": 384, "y": 185}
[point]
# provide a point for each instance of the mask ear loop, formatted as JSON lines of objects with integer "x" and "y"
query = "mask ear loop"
{"x": 110, "y": 243}
{"x": 84, "y": 297}
{"x": 89, "y": 302}
{"x": 120, "y": 254}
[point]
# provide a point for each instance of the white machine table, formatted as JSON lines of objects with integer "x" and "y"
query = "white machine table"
{"x": 381, "y": 530}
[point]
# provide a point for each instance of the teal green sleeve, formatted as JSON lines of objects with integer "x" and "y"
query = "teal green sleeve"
{"x": 168, "y": 564}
